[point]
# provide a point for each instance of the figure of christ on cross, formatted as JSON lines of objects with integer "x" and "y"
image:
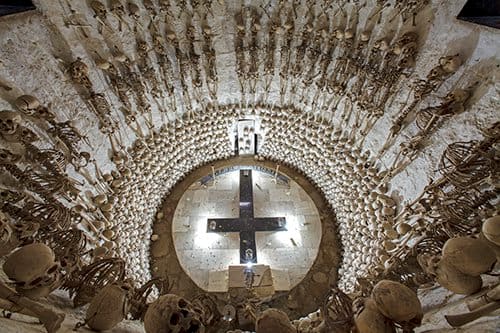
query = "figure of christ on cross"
{"x": 246, "y": 224}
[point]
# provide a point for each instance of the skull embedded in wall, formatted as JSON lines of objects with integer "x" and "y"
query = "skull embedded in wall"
{"x": 9, "y": 122}
{"x": 7, "y": 157}
{"x": 8, "y": 196}
{"x": 134, "y": 10}
{"x": 22, "y": 134}
{"x": 33, "y": 269}
{"x": 436, "y": 73}
{"x": 99, "y": 8}
{"x": 450, "y": 64}
{"x": 171, "y": 313}
{"x": 381, "y": 44}
{"x": 43, "y": 112}
{"x": 78, "y": 69}
{"x": 108, "y": 308}
{"x": 457, "y": 96}
{"x": 27, "y": 104}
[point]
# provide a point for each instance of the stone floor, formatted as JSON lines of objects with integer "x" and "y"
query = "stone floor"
{"x": 206, "y": 256}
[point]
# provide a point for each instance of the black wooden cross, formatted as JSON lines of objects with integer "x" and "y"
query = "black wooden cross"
{"x": 247, "y": 225}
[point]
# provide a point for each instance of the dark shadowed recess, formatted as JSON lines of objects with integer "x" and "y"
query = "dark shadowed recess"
{"x": 484, "y": 12}
{"x": 8, "y": 7}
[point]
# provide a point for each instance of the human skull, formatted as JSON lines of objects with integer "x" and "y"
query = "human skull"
{"x": 99, "y": 8}
{"x": 407, "y": 62}
{"x": 172, "y": 314}
{"x": 458, "y": 96}
{"x": 43, "y": 112}
{"x": 10, "y": 196}
{"x": 469, "y": 255}
{"x": 134, "y": 10}
{"x": 7, "y": 157}
{"x": 27, "y": 104}
{"x": 24, "y": 134}
{"x": 370, "y": 320}
{"x": 452, "y": 279}
{"x": 381, "y": 44}
{"x": 78, "y": 69}
{"x": 349, "y": 34}
{"x": 273, "y": 320}
{"x": 108, "y": 308}
{"x": 33, "y": 270}
{"x": 115, "y": 5}
{"x": 436, "y": 73}
{"x": 339, "y": 34}
{"x": 429, "y": 263}
{"x": 491, "y": 229}
{"x": 405, "y": 42}
{"x": 365, "y": 35}
{"x": 450, "y": 64}
{"x": 142, "y": 46}
{"x": 9, "y": 122}
{"x": 396, "y": 301}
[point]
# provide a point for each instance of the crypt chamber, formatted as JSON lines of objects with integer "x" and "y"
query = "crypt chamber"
{"x": 224, "y": 166}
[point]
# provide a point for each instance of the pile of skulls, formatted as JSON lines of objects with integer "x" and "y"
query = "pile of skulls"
{"x": 152, "y": 168}
{"x": 349, "y": 180}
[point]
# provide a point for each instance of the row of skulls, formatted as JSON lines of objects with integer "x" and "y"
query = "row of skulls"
{"x": 155, "y": 166}
{"x": 347, "y": 178}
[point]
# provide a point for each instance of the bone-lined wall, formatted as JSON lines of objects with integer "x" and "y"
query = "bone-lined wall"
{"x": 361, "y": 98}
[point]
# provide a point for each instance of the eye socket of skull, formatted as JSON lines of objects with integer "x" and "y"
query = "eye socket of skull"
{"x": 193, "y": 327}
{"x": 175, "y": 319}
{"x": 36, "y": 281}
{"x": 182, "y": 303}
{"x": 53, "y": 269}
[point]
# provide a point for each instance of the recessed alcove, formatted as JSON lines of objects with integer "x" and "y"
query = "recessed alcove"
{"x": 205, "y": 256}
{"x": 304, "y": 260}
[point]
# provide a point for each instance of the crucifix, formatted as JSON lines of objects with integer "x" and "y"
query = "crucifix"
{"x": 246, "y": 224}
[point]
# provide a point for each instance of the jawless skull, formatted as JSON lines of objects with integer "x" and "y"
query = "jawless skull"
{"x": 78, "y": 69}
{"x": 27, "y": 104}
{"x": 171, "y": 314}
{"x": 33, "y": 269}
{"x": 9, "y": 121}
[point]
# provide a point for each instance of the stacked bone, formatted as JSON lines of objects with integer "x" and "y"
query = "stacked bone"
{"x": 154, "y": 167}
{"x": 349, "y": 181}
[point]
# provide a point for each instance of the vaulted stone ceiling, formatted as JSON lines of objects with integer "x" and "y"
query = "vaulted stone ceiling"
{"x": 362, "y": 98}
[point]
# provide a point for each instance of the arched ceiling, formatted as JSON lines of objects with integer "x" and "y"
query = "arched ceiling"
{"x": 351, "y": 95}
